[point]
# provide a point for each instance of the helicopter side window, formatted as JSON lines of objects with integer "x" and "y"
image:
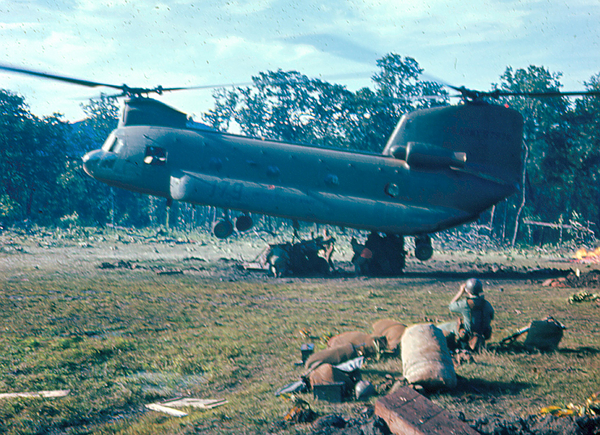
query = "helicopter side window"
{"x": 155, "y": 156}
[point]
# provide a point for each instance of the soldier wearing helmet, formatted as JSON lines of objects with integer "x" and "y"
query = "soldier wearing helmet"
{"x": 474, "y": 326}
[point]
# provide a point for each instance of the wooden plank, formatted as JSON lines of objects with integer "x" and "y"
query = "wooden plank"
{"x": 195, "y": 403}
{"x": 165, "y": 409}
{"x": 169, "y": 406}
{"x": 49, "y": 393}
{"x": 406, "y": 412}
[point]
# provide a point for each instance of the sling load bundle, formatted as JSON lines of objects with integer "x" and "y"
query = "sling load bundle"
{"x": 426, "y": 359}
{"x": 392, "y": 330}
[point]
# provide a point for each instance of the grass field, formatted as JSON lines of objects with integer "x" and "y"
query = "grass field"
{"x": 124, "y": 337}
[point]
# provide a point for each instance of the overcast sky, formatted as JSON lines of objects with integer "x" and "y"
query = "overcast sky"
{"x": 208, "y": 42}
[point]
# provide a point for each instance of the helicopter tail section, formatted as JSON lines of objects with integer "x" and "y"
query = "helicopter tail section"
{"x": 481, "y": 139}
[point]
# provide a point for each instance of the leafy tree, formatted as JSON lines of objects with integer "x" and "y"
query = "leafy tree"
{"x": 291, "y": 107}
{"x": 14, "y": 113}
{"x": 574, "y": 163}
{"x": 30, "y": 161}
{"x": 541, "y": 116}
{"x": 285, "y": 106}
{"x": 399, "y": 90}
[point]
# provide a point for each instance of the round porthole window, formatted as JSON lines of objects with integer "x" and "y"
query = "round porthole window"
{"x": 215, "y": 163}
{"x": 393, "y": 190}
{"x": 332, "y": 180}
{"x": 273, "y": 172}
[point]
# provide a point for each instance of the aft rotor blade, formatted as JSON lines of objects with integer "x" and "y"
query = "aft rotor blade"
{"x": 65, "y": 79}
{"x": 469, "y": 93}
{"x": 545, "y": 94}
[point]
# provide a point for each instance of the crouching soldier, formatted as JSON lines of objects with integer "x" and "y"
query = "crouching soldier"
{"x": 474, "y": 326}
{"x": 362, "y": 257}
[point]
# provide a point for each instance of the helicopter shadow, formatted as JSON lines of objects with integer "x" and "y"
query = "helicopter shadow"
{"x": 486, "y": 388}
{"x": 382, "y": 373}
{"x": 517, "y": 348}
{"x": 502, "y": 274}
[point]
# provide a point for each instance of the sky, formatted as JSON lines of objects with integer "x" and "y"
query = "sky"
{"x": 175, "y": 43}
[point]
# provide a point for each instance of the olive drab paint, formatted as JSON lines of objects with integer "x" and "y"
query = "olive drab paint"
{"x": 440, "y": 168}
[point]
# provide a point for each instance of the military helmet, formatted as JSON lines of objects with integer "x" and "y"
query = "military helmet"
{"x": 474, "y": 286}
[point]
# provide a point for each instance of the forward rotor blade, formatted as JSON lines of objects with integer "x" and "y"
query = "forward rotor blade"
{"x": 126, "y": 90}
{"x": 65, "y": 79}
{"x": 190, "y": 88}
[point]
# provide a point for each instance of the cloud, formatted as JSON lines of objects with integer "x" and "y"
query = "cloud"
{"x": 337, "y": 46}
{"x": 213, "y": 41}
{"x": 247, "y": 7}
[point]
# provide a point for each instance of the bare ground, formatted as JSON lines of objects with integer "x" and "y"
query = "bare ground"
{"x": 514, "y": 283}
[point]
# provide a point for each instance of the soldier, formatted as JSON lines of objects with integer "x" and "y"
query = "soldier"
{"x": 474, "y": 326}
{"x": 362, "y": 257}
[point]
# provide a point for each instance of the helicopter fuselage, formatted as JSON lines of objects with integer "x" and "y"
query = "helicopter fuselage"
{"x": 413, "y": 188}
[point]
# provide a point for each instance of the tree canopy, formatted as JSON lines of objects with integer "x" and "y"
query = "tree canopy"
{"x": 41, "y": 178}
{"x": 289, "y": 106}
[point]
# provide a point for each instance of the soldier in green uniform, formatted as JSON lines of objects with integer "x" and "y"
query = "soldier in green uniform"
{"x": 473, "y": 327}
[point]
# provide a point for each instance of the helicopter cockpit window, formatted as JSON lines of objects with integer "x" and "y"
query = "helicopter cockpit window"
{"x": 155, "y": 156}
{"x": 113, "y": 144}
{"x": 109, "y": 142}
{"x": 117, "y": 146}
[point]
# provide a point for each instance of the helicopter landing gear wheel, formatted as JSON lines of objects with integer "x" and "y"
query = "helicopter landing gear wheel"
{"x": 243, "y": 223}
{"x": 223, "y": 229}
{"x": 423, "y": 248}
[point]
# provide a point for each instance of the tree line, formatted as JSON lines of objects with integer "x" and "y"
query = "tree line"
{"x": 42, "y": 179}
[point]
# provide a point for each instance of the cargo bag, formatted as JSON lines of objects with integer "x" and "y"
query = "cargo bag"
{"x": 425, "y": 357}
{"x": 544, "y": 334}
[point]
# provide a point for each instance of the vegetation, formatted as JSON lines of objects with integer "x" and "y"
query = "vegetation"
{"x": 122, "y": 338}
{"x": 292, "y": 107}
{"x": 42, "y": 181}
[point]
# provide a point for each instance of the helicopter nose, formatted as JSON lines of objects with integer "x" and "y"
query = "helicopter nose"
{"x": 90, "y": 161}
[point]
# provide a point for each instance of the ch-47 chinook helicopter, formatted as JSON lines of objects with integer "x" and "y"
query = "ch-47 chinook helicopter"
{"x": 440, "y": 168}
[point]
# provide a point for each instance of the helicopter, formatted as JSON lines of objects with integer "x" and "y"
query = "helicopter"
{"x": 440, "y": 168}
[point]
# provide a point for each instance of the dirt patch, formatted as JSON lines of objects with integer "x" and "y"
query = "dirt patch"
{"x": 237, "y": 333}
{"x": 364, "y": 424}
{"x": 536, "y": 425}
{"x": 576, "y": 280}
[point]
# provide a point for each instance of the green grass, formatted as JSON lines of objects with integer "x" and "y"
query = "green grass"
{"x": 122, "y": 338}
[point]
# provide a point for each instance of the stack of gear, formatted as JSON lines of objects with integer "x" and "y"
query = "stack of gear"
{"x": 334, "y": 356}
{"x": 392, "y": 330}
{"x": 380, "y": 255}
{"x": 333, "y": 373}
{"x": 302, "y": 258}
{"x": 335, "y": 383}
{"x": 544, "y": 335}
{"x": 365, "y": 344}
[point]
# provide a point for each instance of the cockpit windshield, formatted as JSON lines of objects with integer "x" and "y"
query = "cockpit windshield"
{"x": 113, "y": 144}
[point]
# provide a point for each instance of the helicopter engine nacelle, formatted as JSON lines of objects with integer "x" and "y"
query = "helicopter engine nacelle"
{"x": 428, "y": 156}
